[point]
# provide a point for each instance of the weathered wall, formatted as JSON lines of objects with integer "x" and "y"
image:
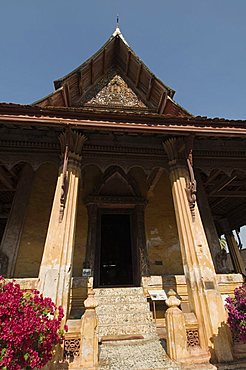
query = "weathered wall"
{"x": 36, "y": 222}
{"x": 161, "y": 231}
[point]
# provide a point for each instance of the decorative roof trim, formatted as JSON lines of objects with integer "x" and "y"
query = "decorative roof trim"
{"x": 60, "y": 89}
{"x": 116, "y": 34}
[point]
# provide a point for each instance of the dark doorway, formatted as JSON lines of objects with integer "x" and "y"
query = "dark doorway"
{"x": 115, "y": 255}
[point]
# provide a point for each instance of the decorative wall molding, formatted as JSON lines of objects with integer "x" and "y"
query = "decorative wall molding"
{"x": 110, "y": 201}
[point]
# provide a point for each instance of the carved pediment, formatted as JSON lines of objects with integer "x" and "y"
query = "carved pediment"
{"x": 112, "y": 91}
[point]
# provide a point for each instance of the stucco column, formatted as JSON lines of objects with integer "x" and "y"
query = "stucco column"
{"x": 56, "y": 266}
{"x": 13, "y": 230}
{"x": 203, "y": 292}
{"x": 236, "y": 257}
{"x": 208, "y": 224}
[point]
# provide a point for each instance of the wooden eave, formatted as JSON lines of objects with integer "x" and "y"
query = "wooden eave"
{"x": 117, "y": 54}
{"x": 119, "y": 121}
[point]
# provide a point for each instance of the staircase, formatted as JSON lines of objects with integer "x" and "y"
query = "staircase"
{"x": 127, "y": 332}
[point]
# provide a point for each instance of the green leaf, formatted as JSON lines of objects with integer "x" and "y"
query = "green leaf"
{"x": 2, "y": 353}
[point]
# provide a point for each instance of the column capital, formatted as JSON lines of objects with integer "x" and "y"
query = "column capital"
{"x": 179, "y": 152}
{"x": 71, "y": 153}
{"x": 72, "y": 143}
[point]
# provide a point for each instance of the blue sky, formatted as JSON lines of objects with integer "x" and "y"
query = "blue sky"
{"x": 197, "y": 47}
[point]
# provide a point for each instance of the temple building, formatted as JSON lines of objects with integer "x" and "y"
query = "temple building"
{"x": 114, "y": 201}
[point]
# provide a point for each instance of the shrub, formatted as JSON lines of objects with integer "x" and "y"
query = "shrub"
{"x": 237, "y": 313}
{"x": 29, "y": 327}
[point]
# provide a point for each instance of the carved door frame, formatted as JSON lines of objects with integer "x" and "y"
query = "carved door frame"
{"x": 129, "y": 205}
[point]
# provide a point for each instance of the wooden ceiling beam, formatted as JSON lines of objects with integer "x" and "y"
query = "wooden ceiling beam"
{"x": 150, "y": 87}
{"x": 229, "y": 194}
{"x": 217, "y": 188}
{"x": 212, "y": 177}
{"x": 80, "y": 82}
{"x": 91, "y": 72}
{"x": 104, "y": 61}
{"x": 162, "y": 102}
{"x": 66, "y": 95}
{"x": 138, "y": 74}
{"x": 217, "y": 202}
{"x": 128, "y": 62}
{"x": 239, "y": 209}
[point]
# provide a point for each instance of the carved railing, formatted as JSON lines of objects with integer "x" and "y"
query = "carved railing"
{"x": 192, "y": 338}
{"x": 81, "y": 347}
{"x": 183, "y": 342}
{"x": 72, "y": 347}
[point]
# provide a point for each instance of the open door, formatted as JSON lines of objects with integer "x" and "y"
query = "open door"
{"x": 115, "y": 254}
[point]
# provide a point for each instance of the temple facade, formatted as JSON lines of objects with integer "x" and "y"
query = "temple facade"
{"x": 111, "y": 192}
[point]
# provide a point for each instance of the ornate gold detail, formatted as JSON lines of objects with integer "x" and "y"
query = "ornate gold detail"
{"x": 71, "y": 349}
{"x": 191, "y": 185}
{"x": 192, "y": 338}
{"x": 64, "y": 184}
{"x": 112, "y": 91}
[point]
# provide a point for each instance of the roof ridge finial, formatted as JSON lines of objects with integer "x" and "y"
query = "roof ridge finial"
{"x": 117, "y": 31}
{"x": 117, "y": 28}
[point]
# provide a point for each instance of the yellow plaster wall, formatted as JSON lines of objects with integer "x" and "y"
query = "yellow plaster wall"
{"x": 161, "y": 231}
{"x": 140, "y": 178}
{"x": 36, "y": 222}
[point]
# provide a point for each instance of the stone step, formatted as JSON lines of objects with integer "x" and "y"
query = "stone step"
{"x": 137, "y": 307}
{"x": 125, "y": 318}
{"x": 135, "y": 354}
{"x": 141, "y": 329}
{"x": 125, "y": 311}
{"x": 114, "y": 299}
{"x": 102, "y": 292}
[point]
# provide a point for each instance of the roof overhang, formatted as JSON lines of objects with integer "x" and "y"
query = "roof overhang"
{"x": 119, "y": 121}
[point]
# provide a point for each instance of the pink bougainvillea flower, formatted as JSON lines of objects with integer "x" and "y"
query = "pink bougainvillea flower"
{"x": 237, "y": 313}
{"x": 29, "y": 327}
